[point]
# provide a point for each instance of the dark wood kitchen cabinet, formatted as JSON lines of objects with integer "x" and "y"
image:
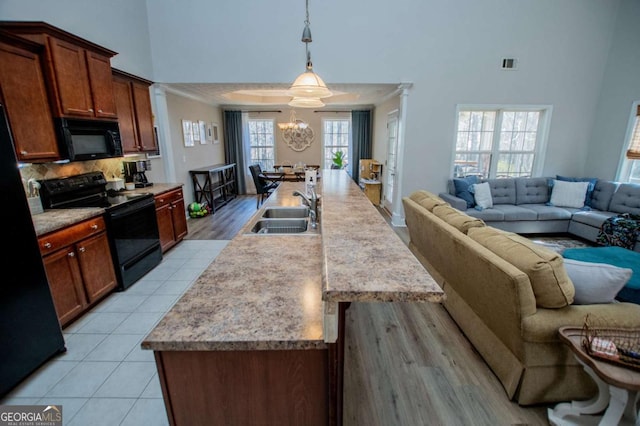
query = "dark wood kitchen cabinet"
{"x": 172, "y": 220}
{"x": 78, "y": 72}
{"x": 24, "y": 94}
{"x": 79, "y": 268}
{"x": 135, "y": 118}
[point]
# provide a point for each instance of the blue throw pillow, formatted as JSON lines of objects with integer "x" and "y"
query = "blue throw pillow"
{"x": 590, "y": 188}
{"x": 464, "y": 191}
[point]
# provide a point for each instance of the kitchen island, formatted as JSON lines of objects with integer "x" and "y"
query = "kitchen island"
{"x": 259, "y": 337}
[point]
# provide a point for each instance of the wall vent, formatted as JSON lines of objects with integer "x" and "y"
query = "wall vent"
{"x": 509, "y": 64}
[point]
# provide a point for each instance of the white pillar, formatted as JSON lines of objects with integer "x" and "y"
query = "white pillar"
{"x": 164, "y": 132}
{"x": 397, "y": 215}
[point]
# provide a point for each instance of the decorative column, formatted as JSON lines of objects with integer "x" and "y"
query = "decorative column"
{"x": 164, "y": 132}
{"x": 397, "y": 215}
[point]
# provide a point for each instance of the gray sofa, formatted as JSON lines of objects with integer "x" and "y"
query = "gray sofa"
{"x": 520, "y": 206}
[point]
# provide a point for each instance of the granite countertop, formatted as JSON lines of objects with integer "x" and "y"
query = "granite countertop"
{"x": 270, "y": 291}
{"x": 55, "y": 219}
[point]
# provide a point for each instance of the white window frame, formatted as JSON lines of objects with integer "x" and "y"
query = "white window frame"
{"x": 350, "y": 140}
{"x": 273, "y": 147}
{"x": 542, "y": 135}
{"x": 625, "y": 165}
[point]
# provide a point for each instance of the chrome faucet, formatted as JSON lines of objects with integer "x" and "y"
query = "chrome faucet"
{"x": 312, "y": 203}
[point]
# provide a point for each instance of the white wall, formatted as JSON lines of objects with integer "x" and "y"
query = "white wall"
{"x": 620, "y": 89}
{"x": 199, "y": 155}
{"x": 119, "y": 25}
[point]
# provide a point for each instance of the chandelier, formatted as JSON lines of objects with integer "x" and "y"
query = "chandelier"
{"x": 308, "y": 89}
{"x": 293, "y": 124}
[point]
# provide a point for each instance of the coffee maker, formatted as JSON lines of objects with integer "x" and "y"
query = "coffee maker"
{"x": 134, "y": 172}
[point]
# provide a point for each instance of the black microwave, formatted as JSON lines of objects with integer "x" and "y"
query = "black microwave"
{"x": 83, "y": 140}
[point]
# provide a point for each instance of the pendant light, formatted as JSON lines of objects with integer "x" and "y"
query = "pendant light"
{"x": 308, "y": 84}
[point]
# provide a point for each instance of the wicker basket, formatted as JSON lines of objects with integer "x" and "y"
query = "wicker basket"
{"x": 626, "y": 340}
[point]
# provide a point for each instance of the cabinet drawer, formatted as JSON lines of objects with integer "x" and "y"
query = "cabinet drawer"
{"x": 58, "y": 239}
{"x": 168, "y": 197}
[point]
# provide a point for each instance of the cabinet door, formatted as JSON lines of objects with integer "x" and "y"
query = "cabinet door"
{"x": 126, "y": 115}
{"x": 96, "y": 266}
{"x": 72, "y": 79}
{"x": 65, "y": 283}
{"x": 99, "y": 66}
{"x": 144, "y": 117}
{"x": 179, "y": 219}
{"x": 27, "y": 104}
{"x": 165, "y": 226}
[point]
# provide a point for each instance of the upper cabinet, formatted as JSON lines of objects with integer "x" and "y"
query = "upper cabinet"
{"x": 24, "y": 94}
{"x": 78, "y": 72}
{"x": 135, "y": 118}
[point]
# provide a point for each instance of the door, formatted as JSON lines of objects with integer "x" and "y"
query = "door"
{"x": 94, "y": 257}
{"x": 100, "y": 79}
{"x": 72, "y": 78}
{"x": 65, "y": 282}
{"x": 392, "y": 160}
{"x": 126, "y": 115}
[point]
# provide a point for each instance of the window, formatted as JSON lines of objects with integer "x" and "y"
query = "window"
{"x": 261, "y": 143}
{"x": 631, "y": 165}
{"x": 498, "y": 142}
{"x": 336, "y": 135}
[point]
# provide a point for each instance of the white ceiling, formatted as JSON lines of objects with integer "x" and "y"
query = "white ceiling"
{"x": 256, "y": 95}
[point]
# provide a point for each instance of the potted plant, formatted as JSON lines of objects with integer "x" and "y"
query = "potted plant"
{"x": 338, "y": 160}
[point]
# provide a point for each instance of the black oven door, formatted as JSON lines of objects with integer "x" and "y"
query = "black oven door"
{"x": 134, "y": 237}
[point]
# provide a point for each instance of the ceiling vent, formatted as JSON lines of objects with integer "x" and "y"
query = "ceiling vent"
{"x": 509, "y": 64}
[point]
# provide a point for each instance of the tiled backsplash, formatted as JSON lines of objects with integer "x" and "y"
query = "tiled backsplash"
{"x": 111, "y": 167}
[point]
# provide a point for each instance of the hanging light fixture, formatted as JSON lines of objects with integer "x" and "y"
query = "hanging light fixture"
{"x": 293, "y": 124}
{"x": 308, "y": 84}
{"x": 306, "y": 102}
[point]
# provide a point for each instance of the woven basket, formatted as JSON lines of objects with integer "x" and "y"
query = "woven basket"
{"x": 626, "y": 341}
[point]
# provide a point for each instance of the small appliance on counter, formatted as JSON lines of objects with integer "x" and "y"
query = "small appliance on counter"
{"x": 134, "y": 172}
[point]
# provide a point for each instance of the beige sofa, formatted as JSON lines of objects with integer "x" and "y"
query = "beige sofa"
{"x": 498, "y": 305}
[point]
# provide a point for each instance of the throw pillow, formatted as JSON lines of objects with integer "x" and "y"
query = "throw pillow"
{"x": 457, "y": 219}
{"x": 482, "y": 195}
{"x": 462, "y": 187}
{"x": 595, "y": 282}
{"x": 568, "y": 194}
{"x": 592, "y": 186}
{"x": 544, "y": 267}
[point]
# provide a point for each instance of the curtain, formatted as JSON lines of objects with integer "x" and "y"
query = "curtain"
{"x": 361, "y": 123}
{"x": 633, "y": 153}
{"x": 233, "y": 150}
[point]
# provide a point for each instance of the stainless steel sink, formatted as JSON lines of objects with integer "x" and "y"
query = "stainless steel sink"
{"x": 286, "y": 212}
{"x": 280, "y": 226}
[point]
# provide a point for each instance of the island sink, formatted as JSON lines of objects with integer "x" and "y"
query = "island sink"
{"x": 286, "y": 212}
{"x": 280, "y": 226}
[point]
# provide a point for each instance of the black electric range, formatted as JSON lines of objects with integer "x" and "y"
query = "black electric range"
{"x": 131, "y": 221}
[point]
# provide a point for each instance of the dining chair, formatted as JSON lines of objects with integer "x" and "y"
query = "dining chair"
{"x": 264, "y": 187}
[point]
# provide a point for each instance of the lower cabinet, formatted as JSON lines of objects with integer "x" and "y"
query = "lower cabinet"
{"x": 79, "y": 268}
{"x": 172, "y": 220}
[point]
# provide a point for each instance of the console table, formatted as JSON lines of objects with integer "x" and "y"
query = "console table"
{"x": 214, "y": 184}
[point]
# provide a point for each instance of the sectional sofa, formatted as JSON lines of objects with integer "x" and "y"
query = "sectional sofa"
{"x": 509, "y": 297}
{"x": 521, "y": 205}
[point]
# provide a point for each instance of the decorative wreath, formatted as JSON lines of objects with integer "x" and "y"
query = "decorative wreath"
{"x": 298, "y": 139}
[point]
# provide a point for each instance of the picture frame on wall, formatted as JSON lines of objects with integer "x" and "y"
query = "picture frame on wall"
{"x": 209, "y": 133}
{"x": 196, "y": 131}
{"x": 202, "y": 129}
{"x": 187, "y": 132}
{"x": 215, "y": 134}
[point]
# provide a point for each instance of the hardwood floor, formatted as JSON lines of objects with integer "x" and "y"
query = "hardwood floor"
{"x": 405, "y": 363}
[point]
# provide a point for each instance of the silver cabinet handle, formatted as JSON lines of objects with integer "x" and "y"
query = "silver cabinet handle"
{"x": 94, "y": 226}
{"x": 90, "y": 110}
{"x": 23, "y": 152}
{"x": 47, "y": 245}
{"x": 81, "y": 249}
{"x": 71, "y": 254}
{"x": 99, "y": 110}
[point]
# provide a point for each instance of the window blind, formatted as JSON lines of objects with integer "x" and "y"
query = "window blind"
{"x": 633, "y": 153}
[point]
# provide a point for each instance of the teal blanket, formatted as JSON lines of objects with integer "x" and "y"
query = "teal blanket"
{"x": 617, "y": 256}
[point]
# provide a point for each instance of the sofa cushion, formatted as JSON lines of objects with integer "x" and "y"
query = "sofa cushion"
{"x": 455, "y": 218}
{"x": 602, "y": 193}
{"x": 595, "y": 282}
{"x": 549, "y": 212}
{"x": 515, "y": 213}
{"x": 532, "y": 190}
{"x": 626, "y": 199}
{"x": 427, "y": 199}
{"x": 503, "y": 191}
{"x": 568, "y": 194}
{"x": 463, "y": 189}
{"x": 544, "y": 267}
{"x": 488, "y": 215}
{"x": 590, "y": 188}
{"x": 593, "y": 218}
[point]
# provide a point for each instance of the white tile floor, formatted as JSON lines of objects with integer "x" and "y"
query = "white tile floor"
{"x": 105, "y": 378}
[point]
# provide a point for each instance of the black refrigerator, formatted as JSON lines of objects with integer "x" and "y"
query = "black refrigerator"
{"x": 30, "y": 333}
